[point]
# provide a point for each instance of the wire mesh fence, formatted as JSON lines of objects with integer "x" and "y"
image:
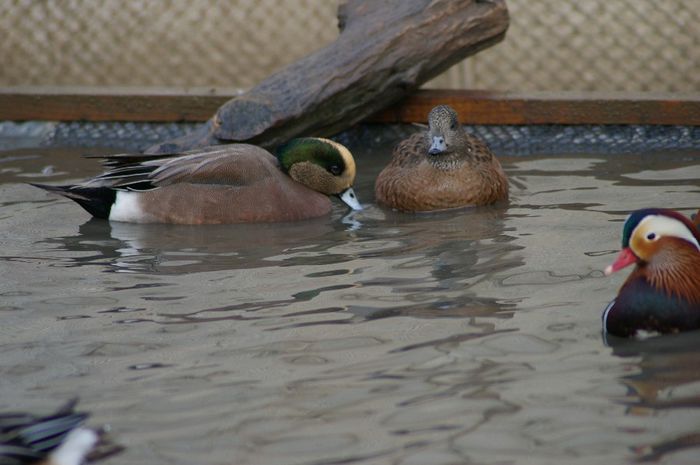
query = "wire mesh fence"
{"x": 590, "y": 45}
{"x": 552, "y": 45}
{"x": 191, "y": 43}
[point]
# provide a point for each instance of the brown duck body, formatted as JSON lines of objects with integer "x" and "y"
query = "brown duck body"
{"x": 415, "y": 181}
{"x": 236, "y": 183}
{"x": 255, "y": 191}
{"x": 441, "y": 168}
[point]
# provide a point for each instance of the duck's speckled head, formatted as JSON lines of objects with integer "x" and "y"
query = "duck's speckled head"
{"x": 445, "y": 133}
{"x": 322, "y": 165}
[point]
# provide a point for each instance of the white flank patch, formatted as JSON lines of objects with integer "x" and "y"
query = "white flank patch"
{"x": 126, "y": 207}
{"x": 75, "y": 447}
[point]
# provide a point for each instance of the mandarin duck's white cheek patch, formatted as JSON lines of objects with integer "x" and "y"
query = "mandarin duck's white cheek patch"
{"x": 654, "y": 227}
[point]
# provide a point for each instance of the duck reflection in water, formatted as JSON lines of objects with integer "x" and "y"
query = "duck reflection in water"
{"x": 175, "y": 249}
{"x": 435, "y": 260}
{"x": 665, "y": 365}
{"x": 423, "y": 266}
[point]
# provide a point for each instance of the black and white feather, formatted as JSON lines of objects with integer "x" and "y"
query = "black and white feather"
{"x": 59, "y": 438}
{"x": 145, "y": 172}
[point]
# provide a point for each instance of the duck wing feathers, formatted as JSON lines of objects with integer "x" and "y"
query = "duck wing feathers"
{"x": 24, "y": 436}
{"x": 234, "y": 165}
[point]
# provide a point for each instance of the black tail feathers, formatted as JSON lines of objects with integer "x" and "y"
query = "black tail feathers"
{"x": 97, "y": 201}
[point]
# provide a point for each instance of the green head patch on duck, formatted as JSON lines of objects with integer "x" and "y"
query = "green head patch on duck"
{"x": 320, "y": 164}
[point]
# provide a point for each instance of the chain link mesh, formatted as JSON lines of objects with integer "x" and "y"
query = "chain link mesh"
{"x": 189, "y": 43}
{"x": 604, "y": 45}
{"x": 366, "y": 138}
{"x": 590, "y": 45}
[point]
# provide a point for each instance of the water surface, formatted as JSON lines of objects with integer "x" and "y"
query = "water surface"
{"x": 370, "y": 338}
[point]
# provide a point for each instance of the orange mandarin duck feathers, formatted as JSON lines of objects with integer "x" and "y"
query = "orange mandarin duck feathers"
{"x": 442, "y": 168}
{"x": 662, "y": 294}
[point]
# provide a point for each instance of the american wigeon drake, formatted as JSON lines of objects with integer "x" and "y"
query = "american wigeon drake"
{"x": 236, "y": 183}
{"x": 56, "y": 439}
{"x": 662, "y": 294}
{"x": 442, "y": 168}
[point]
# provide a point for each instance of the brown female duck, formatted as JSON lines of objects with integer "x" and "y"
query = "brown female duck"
{"x": 440, "y": 169}
{"x": 236, "y": 183}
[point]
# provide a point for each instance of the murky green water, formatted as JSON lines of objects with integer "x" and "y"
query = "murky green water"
{"x": 378, "y": 338}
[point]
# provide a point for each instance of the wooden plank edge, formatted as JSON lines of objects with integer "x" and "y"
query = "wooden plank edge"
{"x": 474, "y": 107}
{"x": 573, "y": 108}
{"x": 110, "y": 104}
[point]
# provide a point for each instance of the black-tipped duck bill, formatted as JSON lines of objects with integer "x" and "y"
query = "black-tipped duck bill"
{"x": 434, "y": 151}
{"x": 348, "y": 196}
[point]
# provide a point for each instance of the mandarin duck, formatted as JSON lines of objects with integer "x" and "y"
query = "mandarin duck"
{"x": 662, "y": 294}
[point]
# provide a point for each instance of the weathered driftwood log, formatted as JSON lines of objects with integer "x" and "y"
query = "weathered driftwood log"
{"x": 385, "y": 50}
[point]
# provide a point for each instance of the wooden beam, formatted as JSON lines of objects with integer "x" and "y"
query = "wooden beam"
{"x": 474, "y": 107}
{"x": 486, "y": 107}
{"x": 111, "y": 103}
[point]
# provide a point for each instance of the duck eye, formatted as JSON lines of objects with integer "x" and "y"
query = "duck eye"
{"x": 651, "y": 236}
{"x": 335, "y": 170}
